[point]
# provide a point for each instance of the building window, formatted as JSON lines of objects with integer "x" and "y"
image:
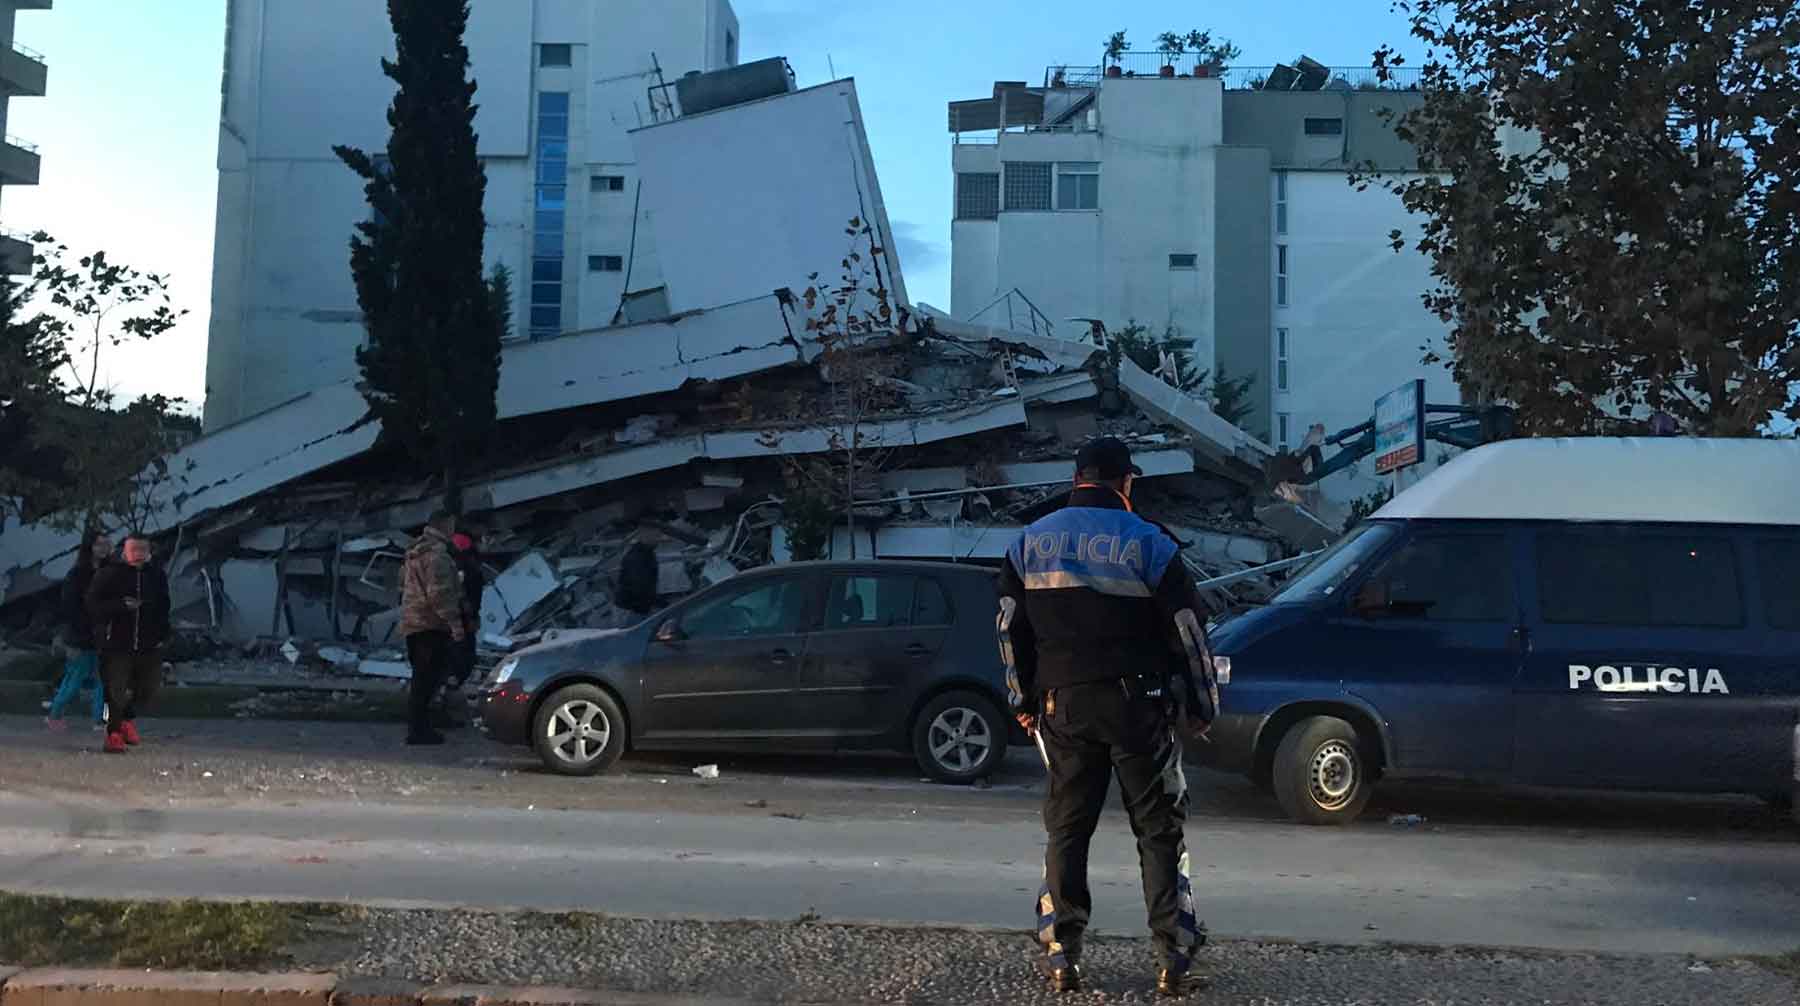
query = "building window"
{"x": 1187, "y": 260}
{"x": 1281, "y": 276}
{"x": 1324, "y": 127}
{"x": 551, "y": 213}
{"x": 1027, "y": 185}
{"x": 1281, "y": 359}
{"x": 1281, "y": 202}
{"x": 977, "y": 195}
{"x": 606, "y": 263}
{"x": 1631, "y": 577}
{"x": 607, "y": 183}
{"x": 1281, "y": 429}
{"x": 1078, "y": 185}
{"x": 556, "y": 54}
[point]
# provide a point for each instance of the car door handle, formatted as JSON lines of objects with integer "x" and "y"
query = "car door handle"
{"x": 780, "y": 656}
{"x": 918, "y": 650}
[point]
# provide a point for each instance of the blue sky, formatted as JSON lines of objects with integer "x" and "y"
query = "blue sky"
{"x": 129, "y": 130}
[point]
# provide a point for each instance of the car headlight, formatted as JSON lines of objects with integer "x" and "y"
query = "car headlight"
{"x": 504, "y": 672}
{"x": 1222, "y": 669}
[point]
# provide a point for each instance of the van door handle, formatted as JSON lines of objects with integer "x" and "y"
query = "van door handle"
{"x": 780, "y": 656}
{"x": 918, "y": 650}
{"x": 1521, "y": 639}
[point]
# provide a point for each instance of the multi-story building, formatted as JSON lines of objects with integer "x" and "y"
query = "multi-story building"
{"x": 560, "y": 84}
{"x": 1214, "y": 204}
{"x": 22, "y": 75}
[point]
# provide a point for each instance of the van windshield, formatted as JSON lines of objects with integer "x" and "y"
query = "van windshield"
{"x": 1325, "y": 576}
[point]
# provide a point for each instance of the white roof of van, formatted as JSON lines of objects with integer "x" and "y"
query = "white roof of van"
{"x": 1678, "y": 480}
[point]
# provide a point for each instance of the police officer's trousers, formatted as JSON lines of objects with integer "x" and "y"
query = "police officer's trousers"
{"x": 1091, "y": 732}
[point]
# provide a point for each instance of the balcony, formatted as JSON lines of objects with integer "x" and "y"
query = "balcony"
{"x": 19, "y": 162}
{"x": 22, "y": 72}
{"x": 15, "y": 255}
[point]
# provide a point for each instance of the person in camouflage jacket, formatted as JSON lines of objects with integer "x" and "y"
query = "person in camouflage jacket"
{"x": 431, "y": 619}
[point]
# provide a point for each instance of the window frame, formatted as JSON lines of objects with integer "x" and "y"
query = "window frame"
{"x": 1184, "y": 261}
{"x": 1281, "y": 275}
{"x": 836, "y": 577}
{"x": 598, "y": 263}
{"x": 1281, "y": 201}
{"x": 1078, "y": 171}
{"x": 606, "y": 184}
{"x": 1323, "y": 125}
{"x": 1282, "y": 421}
{"x": 1007, "y": 189}
{"x": 546, "y": 48}
{"x": 1282, "y": 336}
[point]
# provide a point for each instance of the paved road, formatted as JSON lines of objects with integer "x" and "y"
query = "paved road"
{"x": 336, "y": 812}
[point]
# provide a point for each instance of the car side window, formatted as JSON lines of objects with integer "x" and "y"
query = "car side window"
{"x": 1624, "y": 577}
{"x": 772, "y": 607}
{"x": 1451, "y": 578}
{"x": 1776, "y": 562}
{"x": 869, "y": 601}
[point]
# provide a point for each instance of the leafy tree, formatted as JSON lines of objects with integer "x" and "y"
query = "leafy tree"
{"x": 73, "y": 454}
{"x": 432, "y": 364}
{"x": 1363, "y": 507}
{"x": 851, "y": 322}
{"x": 1171, "y": 356}
{"x": 1610, "y": 213}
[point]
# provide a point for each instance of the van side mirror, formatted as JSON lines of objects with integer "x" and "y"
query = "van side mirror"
{"x": 669, "y": 632}
{"x": 1372, "y": 599}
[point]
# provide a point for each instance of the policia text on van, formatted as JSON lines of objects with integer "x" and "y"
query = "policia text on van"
{"x": 1589, "y": 612}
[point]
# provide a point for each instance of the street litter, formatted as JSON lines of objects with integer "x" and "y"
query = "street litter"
{"x": 1406, "y": 820}
{"x": 707, "y": 771}
{"x": 290, "y": 651}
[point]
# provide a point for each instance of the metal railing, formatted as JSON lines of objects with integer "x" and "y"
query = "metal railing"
{"x": 25, "y": 145}
{"x": 1236, "y": 78}
{"x": 28, "y": 52}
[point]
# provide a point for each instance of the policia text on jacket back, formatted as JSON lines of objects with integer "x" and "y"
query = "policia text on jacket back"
{"x": 1105, "y": 660}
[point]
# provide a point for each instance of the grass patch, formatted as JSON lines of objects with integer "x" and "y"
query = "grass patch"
{"x": 174, "y": 935}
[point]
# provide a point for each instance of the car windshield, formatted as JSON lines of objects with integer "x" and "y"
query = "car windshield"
{"x": 1325, "y": 576}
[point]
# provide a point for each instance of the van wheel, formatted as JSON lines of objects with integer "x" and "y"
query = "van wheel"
{"x": 1321, "y": 772}
{"x": 579, "y": 730}
{"x": 959, "y": 737}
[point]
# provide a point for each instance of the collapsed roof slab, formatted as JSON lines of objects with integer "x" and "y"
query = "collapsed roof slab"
{"x": 1056, "y": 354}
{"x": 1238, "y": 454}
{"x": 612, "y": 364}
{"x": 325, "y": 426}
{"x": 674, "y": 451}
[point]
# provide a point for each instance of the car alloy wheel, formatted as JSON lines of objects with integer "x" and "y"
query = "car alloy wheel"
{"x": 577, "y": 732}
{"x": 959, "y": 739}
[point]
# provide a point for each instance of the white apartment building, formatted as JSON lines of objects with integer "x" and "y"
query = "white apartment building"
{"x": 560, "y": 84}
{"x": 22, "y": 75}
{"x": 1212, "y": 204}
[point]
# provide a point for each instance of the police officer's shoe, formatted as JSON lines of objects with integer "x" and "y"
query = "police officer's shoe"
{"x": 1064, "y": 974}
{"x": 1174, "y": 982}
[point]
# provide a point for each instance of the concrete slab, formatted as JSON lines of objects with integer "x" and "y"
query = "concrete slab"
{"x": 376, "y": 992}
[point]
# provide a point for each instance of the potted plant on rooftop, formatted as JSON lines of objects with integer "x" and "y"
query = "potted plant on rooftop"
{"x": 1210, "y": 58}
{"x": 1171, "y": 46}
{"x": 1115, "y": 47}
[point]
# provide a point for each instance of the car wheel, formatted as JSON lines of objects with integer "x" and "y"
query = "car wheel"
{"x": 959, "y": 737}
{"x": 579, "y": 730}
{"x": 1322, "y": 772}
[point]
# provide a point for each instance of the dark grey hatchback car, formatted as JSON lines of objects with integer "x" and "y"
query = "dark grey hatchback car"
{"x": 823, "y": 656}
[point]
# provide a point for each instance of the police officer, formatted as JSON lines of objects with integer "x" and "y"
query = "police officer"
{"x": 1095, "y": 603}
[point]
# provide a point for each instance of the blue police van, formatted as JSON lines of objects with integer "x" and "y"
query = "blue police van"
{"x": 1602, "y": 613}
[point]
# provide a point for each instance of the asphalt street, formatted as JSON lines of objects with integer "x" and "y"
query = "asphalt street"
{"x": 336, "y": 812}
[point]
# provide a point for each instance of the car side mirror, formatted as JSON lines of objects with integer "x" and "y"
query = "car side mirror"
{"x": 1372, "y": 599}
{"x": 669, "y": 632}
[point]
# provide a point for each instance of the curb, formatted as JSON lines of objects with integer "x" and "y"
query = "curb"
{"x": 117, "y": 987}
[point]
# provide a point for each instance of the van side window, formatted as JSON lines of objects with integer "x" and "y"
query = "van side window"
{"x": 1622, "y": 577}
{"x": 1778, "y": 563}
{"x": 1451, "y": 578}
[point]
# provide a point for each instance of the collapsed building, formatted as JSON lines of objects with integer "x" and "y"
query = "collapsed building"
{"x": 675, "y": 435}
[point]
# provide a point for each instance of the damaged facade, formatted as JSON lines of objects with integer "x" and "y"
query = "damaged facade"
{"x": 672, "y": 443}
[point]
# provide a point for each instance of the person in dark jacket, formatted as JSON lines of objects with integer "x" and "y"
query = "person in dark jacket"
{"x": 81, "y": 669}
{"x": 466, "y": 552}
{"x": 129, "y": 605}
{"x": 1094, "y": 601}
{"x": 431, "y": 620}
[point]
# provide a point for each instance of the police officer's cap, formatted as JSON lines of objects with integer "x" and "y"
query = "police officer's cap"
{"x": 1105, "y": 458}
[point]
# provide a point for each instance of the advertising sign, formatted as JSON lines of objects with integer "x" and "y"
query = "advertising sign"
{"x": 1400, "y": 428}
